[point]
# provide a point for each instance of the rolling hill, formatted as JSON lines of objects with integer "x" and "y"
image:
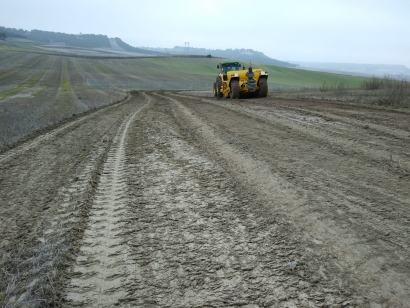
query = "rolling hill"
{"x": 117, "y": 45}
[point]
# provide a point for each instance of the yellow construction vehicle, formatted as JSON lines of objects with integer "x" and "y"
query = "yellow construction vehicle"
{"x": 235, "y": 81}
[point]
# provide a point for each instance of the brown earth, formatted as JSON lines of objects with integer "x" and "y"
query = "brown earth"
{"x": 184, "y": 200}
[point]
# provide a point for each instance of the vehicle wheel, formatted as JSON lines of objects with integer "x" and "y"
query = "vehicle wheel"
{"x": 215, "y": 90}
{"x": 234, "y": 89}
{"x": 218, "y": 87}
{"x": 263, "y": 87}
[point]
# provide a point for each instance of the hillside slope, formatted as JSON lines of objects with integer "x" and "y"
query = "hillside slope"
{"x": 118, "y": 45}
{"x": 242, "y": 54}
{"x": 380, "y": 70}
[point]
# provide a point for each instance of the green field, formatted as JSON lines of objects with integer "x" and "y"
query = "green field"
{"x": 302, "y": 78}
{"x": 197, "y": 68}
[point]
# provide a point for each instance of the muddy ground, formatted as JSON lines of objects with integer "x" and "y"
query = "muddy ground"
{"x": 184, "y": 200}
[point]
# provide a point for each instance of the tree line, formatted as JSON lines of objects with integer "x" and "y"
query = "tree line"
{"x": 12, "y": 32}
{"x": 75, "y": 40}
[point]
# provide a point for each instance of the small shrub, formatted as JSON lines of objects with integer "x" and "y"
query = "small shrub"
{"x": 398, "y": 93}
{"x": 341, "y": 87}
{"x": 372, "y": 84}
{"x": 387, "y": 81}
{"x": 324, "y": 87}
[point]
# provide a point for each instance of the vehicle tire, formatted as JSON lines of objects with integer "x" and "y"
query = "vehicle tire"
{"x": 215, "y": 90}
{"x": 263, "y": 87}
{"x": 234, "y": 89}
{"x": 218, "y": 87}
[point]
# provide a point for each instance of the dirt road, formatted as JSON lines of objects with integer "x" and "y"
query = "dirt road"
{"x": 175, "y": 200}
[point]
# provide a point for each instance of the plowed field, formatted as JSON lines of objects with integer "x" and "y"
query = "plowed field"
{"x": 185, "y": 200}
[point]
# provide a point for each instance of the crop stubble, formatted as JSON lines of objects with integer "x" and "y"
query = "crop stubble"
{"x": 200, "y": 202}
{"x": 42, "y": 90}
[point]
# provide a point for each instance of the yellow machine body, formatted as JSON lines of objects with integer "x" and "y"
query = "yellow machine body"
{"x": 234, "y": 81}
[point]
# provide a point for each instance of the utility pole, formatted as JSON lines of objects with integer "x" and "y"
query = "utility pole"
{"x": 187, "y": 48}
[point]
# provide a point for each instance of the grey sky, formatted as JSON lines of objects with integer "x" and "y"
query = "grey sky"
{"x": 354, "y": 31}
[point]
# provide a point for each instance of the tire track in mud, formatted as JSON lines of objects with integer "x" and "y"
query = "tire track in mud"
{"x": 54, "y": 247}
{"x": 345, "y": 216}
{"x": 169, "y": 228}
{"x": 336, "y": 145}
{"x": 100, "y": 275}
{"x": 339, "y": 132}
{"x": 376, "y": 118}
{"x": 46, "y": 195}
{"x": 195, "y": 241}
{"x": 166, "y": 226}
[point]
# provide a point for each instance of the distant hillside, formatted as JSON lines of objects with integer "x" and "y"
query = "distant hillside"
{"x": 121, "y": 44}
{"x": 380, "y": 70}
{"x": 102, "y": 42}
{"x": 245, "y": 55}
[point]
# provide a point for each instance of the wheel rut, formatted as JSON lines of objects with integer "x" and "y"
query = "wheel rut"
{"x": 100, "y": 270}
{"x": 170, "y": 228}
{"x": 349, "y": 205}
{"x": 173, "y": 201}
{"x": 47, "y": 190}
{"x": 197, "y": 238}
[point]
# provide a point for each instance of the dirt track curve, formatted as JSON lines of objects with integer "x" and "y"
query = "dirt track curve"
{"x": 171, "y": 200}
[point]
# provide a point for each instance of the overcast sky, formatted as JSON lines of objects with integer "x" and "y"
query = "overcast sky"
{"x": 353, "y": 31}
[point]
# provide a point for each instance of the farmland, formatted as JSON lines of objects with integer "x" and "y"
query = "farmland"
{"x": 124, "y": 183}
{"x": 40, "y": 89}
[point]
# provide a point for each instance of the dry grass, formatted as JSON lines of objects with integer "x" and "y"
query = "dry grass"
{"x": 397, "y": 93}
{"x": 393, "y": 93}
{"x": 29, "y": 273}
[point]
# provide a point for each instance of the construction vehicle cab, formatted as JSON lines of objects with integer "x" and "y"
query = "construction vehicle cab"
{"x": 234, "y": 81}
{"x": 230, "y": 67}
